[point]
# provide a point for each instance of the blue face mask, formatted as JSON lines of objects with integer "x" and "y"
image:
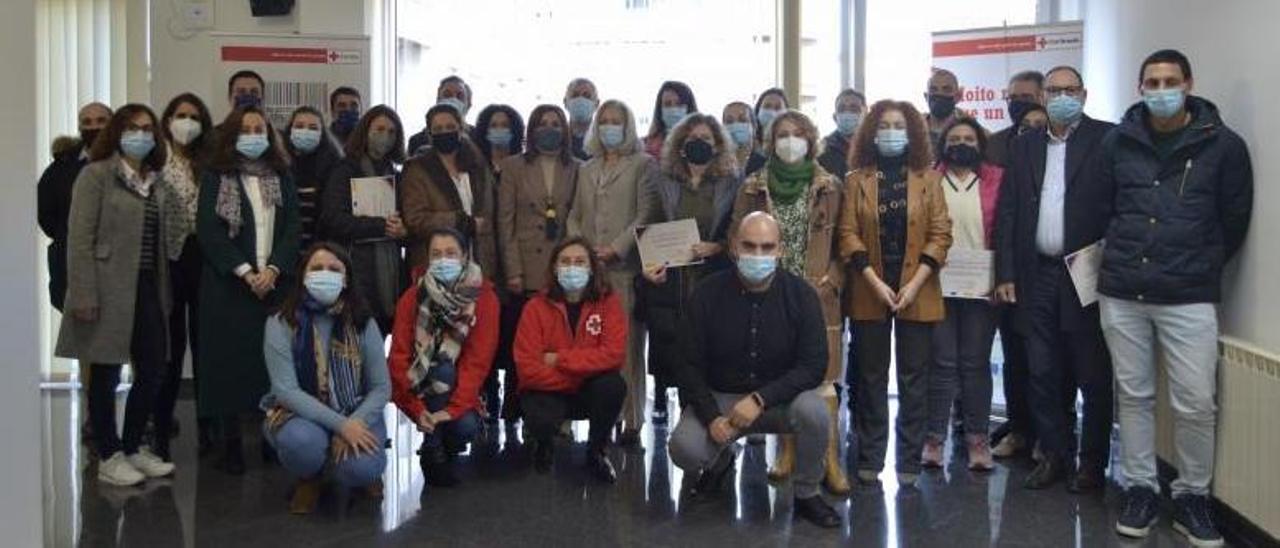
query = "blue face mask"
{"x": 324, "y": 286}
{"x": 1064, "y": 109}
{"x": 457, "y": 105}
{"x": 252, "y": 145}
{"x": 573, "y": 278}
{"x": 248, "y": 100}
{"x": 1164, "y": 103}
{"x": 137, "y": 144}
{"x": 672, "y": 115}
{"x": 757, "y": 268}
{"x": 891, "y": 142}
{"x": 611, "y": 135}
{"x": 445, "y": 270}
{"x": 740, "y": 131}
{"x": 580, "y": 109}
{"x": 767, "y": 115}
{"x": 304, "y": 139}
{"x": 847, "y": 122}
{"x": 346, "y": 120}
{"x": 499, "y": 137}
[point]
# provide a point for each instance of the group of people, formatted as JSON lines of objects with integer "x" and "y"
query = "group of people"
{"x": 513, "y": 248}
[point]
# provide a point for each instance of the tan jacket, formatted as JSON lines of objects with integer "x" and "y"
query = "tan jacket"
{"x": 522, "y": 217}
{"x": 607, "y": 209}
{"x": 430, "y": 200}
{"x": 928, "y": 233}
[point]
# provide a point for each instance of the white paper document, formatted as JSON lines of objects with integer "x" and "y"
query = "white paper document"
{"x": 668, "y": 243}
{"x": 968, "y": 274}
{"x": 373, "y": 196}
{"x": 1084, "y": 265}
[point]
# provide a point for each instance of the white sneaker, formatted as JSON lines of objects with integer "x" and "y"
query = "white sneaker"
{"x": 149, "y": 464}
{"x": 117, "y": 471}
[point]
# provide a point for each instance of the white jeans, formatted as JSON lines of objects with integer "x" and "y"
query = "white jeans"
{"x": 1187, "y": 339}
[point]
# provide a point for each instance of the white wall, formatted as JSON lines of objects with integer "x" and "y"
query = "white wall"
{"x": 1233, "y": 61}
{"x": 20, "y": 293}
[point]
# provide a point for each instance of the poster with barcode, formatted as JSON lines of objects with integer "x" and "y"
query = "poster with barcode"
{"x": 298, "y": 70}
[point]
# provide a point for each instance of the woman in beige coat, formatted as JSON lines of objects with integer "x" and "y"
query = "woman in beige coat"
{"x": 806, "y": 201}
{"x": 614, "y": 193}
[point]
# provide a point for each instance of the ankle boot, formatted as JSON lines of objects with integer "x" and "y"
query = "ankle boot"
{"x": 837, "y": 481}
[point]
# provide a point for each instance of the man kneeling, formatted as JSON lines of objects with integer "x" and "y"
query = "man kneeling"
{"x": 754, "y": 354}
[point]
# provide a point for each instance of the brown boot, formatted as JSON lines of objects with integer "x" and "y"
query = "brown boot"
{"x": 305, "y": 496}
{"x": 837, "y": 481}
{"x": 786, "y": 460}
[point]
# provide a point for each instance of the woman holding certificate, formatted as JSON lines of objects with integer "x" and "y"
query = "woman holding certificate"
{"x": 806, "y": 201}
{"x": 895, "y": 232}
{"x": 962, "y": 342}
{"x": 697, "y": 180}
{"x": 373, "y": 231}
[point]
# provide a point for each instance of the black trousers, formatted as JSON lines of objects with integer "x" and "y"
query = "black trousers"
{"x": 184, "y": 278}
{"x": 508, "y": 320}
{"x": 147, "y": 347}
{"x": 56, "y": 259}
{"x": 871, "y": 422}
{"x": 598, "y": 400}
{"x": 1059, "y": 359}
{"x": 1016, "y": 373}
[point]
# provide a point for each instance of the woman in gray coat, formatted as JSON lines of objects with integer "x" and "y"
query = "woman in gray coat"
{"x": 118, "y": 290}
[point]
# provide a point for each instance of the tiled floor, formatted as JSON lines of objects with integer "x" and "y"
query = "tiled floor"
{"x": 503, "y": 503}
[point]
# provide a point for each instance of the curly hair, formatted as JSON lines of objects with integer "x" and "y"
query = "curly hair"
{"x": 480, "y": 134}
{"x": 809, "y": 130}
{"x": 863, "y": 154}
{"x": 724, "y": 164}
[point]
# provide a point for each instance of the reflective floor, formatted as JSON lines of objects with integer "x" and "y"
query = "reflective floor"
{"x": 503, "y": 503}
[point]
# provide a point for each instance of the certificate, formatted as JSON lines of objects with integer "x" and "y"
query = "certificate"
{"x": 1084, "y": 265}
{"x": 668, "y": 243}
{"x": 373, "y": 196}
{"x": 968, "y": 274}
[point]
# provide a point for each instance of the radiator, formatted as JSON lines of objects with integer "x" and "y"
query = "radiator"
{"x": 1247, "y": 471}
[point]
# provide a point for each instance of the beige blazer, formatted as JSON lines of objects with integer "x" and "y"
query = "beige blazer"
{"x": 523, "y": 203}
{"x": 611, "y": 203}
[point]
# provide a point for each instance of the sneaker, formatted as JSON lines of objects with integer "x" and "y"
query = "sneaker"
{"x": 1139, "y": 511}
{"x": 150, "y": 465}
{"x": 1010, "y": 445}
{"x": 931, "y": 455}
{"x": 1192, "y": 517}
{"x": 979, "y": 454}
{"x": 117, "y": 471}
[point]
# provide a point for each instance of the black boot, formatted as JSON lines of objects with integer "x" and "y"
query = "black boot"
{"x": 600, "y": 467}
{"x": 543, "y": 450}
{"x": 437, "y": 470}
{"x": 713, "y": 476}
{"x": 817, "y": 511}
{"x": 204, "y": 437}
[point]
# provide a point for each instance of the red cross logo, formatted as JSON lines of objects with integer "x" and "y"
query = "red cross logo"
{"x": 595, "y": 325}
{"x": 333, "y": 56}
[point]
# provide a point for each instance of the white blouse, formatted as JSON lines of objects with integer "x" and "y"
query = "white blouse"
{"x": 264, "y": 224}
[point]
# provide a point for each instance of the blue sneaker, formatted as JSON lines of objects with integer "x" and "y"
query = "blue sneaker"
{"x": 1139, "y": 511}
{"x": 1192, "y": 518}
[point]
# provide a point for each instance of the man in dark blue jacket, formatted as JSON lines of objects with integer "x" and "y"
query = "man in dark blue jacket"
{"x": 1183, "y": 189}
{"x": 1052, "y": 204}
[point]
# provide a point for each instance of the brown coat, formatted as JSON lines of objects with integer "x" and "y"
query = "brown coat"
{"x": 522, "y": 217}
{"x": 430, "y": 201}
{"x": 823, "y": 268}
{"x": 928, "y": 233}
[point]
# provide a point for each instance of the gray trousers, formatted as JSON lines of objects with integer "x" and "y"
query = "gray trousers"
{"x": 962, "y": 363}
{"x": 692, "y": 448}
{"x": 633, "y": 370}
{"x": 871, "y": 422}
{"x": 1186, "y": 336}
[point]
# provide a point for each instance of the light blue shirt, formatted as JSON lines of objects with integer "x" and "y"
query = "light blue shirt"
{"x": 1051, "y": 226}
{"x": 376, "y": 381}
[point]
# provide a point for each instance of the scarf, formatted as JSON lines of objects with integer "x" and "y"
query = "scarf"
{"x": 228, "y": 206}
{"x": 445, "y": 317}
{"x": 180, "y": 208}
{"x": 332, "y": 374}
{"x": 787, "y": 182}
{"x": 137, "y": 183}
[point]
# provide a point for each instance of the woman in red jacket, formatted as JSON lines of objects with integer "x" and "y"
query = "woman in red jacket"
{"x": 442, "y": 346}
{"x": 570, "y": 346}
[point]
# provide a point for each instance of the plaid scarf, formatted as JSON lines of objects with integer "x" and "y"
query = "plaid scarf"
{"x": 333, "y": 374}
{"x": 445, "y": 317}
{"x": 228, "y": 206}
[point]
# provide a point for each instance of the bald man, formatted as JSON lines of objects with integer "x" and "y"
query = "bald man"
{"x": 53, "y": 198}
{"x": 754, "y": 351}
{"x": 942, "y": 93}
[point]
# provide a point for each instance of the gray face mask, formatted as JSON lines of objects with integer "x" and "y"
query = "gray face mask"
{"x": 380, "y": 143}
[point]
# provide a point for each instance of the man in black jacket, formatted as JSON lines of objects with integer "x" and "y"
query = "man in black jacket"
{"x": 53, "y": 192}
{"x": 754, "y": 353}
{"x": 1053, "y": 204}
{"x": 1183, "y": 188}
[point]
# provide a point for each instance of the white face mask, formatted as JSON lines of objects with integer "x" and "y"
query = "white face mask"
{"x": 184, "y": 130}
{"x": 791, "y": 149}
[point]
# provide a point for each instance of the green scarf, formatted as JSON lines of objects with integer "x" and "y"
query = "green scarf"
{"x": 787, "y": 182}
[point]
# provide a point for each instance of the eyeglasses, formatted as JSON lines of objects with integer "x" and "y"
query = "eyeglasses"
{"x": 1054, "y": 91}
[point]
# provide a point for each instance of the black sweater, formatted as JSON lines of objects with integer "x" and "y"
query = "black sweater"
{"x": 53, "y": 193}
{"x": 733, "y": 341}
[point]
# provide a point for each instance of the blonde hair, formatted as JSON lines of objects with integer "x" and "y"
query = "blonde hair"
{"x": 630, "y": 140}
{"x": 723, "y": 164}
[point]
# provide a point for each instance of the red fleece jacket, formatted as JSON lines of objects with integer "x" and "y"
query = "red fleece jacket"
{"x": 598, "y": 346}
{"x": 474, "y": 360}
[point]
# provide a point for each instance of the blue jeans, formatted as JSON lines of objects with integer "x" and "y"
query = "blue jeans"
{"x": 303, "y": 448}
{"x": 459, "y": 431}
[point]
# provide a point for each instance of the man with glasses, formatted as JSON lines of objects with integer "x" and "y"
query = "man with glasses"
{"x": 1183, "y": 185}
{"x": 1053, "y": 205}
{"x": 1025, "y": 92}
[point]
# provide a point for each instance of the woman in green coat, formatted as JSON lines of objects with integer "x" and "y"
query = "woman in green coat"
{"x": 248, "y": 227}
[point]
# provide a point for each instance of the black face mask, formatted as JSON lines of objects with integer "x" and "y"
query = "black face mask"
{"x": 548, "y": 139}
{"x": 963, "y": 156}
{"x": 1018, "y": 109}
{"x": 446, "y": 143}
{"x": 941, "y": 106}
{"x": 698, "y": 152}
{"x": 87, "y": 136}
